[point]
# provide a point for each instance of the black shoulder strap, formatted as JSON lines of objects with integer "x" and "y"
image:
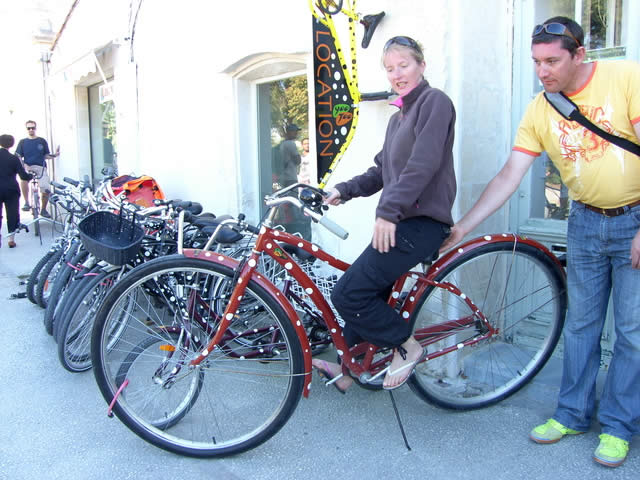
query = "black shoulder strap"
{"x": 569, "y": 110}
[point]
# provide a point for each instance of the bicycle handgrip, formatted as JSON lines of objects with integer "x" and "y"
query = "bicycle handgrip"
{"x": 253, "y": 229}
{"x": 334, "y": 228}
{"x": 59, "y": 185}
{"x": 184, "y": 204}
{"x": 71, "y": 181}
{"x": 373, "y": 96}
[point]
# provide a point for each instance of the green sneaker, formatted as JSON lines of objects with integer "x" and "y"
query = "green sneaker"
{"x": 550, "y": 432}
{"x": 612, "y": 451}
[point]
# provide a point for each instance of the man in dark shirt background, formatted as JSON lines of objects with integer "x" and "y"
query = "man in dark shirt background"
{"x": 34, "y": 151}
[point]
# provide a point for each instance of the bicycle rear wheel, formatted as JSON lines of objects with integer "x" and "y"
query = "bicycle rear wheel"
{"x": 74, "y": 336}
{"x": 34, "y": 276}
{"x": 63, "y": 280}
{"x": 521, "y": 292}
{"x": 47, "y": 278}
{"x": 237, "y": 398}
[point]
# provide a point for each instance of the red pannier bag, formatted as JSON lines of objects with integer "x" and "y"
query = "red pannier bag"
{"x": 142, "y": 190}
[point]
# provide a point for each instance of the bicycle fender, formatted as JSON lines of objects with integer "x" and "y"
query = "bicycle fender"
{"x": 477, "y": 242}
{"x": 265, "y": 283}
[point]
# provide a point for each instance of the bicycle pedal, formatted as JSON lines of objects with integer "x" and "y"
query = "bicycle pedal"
{"x": 15, "y": 296}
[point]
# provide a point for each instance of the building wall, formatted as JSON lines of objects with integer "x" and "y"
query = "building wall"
{"x": 185, "y": 78}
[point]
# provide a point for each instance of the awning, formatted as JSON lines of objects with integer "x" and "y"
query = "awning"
{"x": 85, "y": 64}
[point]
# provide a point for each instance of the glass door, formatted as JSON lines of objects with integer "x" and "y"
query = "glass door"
{"x": 102, "y": 128}
{"x": 283, "y": 124}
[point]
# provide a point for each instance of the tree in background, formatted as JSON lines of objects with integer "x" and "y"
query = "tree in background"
{"x": 290, "y": 104}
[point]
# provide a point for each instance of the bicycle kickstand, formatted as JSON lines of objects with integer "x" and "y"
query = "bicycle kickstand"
{"x": 395, "y": 409}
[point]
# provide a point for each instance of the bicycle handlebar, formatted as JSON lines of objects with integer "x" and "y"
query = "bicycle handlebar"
{"x": 276, "y": 199}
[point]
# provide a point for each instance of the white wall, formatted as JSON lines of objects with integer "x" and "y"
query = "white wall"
{"x": 178, "y": 101}
{"x": 21, "y": 81}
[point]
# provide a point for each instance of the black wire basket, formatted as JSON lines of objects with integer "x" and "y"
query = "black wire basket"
{"x": 110, "y": 237}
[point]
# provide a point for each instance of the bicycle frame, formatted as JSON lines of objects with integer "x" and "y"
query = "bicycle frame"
{"x": 268, "y": 243}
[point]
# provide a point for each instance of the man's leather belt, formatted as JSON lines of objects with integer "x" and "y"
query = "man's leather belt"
{"x": 611, "y": 212}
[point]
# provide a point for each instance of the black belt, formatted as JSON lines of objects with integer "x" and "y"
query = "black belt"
{"x": 611, "y": 212}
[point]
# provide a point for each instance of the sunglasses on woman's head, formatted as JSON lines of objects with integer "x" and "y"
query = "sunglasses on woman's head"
{"x": 555, "y": 29}
{"x": 402, "y": 41}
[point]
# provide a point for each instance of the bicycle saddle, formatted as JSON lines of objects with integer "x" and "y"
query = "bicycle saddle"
{"x": 225, "y": 235}
{"x": 370, "y": 23}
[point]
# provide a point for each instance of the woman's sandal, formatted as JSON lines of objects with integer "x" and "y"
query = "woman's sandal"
{"x": 410, "y": 367}
{"x": 325, "y": 372}
{"x": 11, "y": 244}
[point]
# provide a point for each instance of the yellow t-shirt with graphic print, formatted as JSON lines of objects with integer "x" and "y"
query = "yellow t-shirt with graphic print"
{"x": 595, "y": 171}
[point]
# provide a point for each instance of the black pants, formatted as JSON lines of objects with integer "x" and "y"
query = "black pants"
{"x": 11, "y": 201}
{"x": 361, "y": 294}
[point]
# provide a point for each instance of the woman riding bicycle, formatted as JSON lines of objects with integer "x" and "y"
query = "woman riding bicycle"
{"x": 415, "y": 172}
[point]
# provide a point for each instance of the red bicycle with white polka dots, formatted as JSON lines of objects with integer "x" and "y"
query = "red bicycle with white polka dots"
{"x": 213, "y": 353}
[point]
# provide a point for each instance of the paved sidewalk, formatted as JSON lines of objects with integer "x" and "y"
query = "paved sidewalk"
{"x": 54, "y": 423}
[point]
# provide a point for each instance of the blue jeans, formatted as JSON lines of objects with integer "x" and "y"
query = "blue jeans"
{"x": 598, "y": 266}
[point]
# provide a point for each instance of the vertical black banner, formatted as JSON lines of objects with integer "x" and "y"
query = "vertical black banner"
{"x": 333, "y": 101}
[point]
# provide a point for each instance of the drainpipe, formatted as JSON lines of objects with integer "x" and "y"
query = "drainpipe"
{"x": 44, "y": 59}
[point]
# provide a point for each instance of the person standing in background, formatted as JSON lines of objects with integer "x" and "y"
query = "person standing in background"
{"x": 305, "y": 174}
{"x": 34, "y": 151}
{"x": 10, "y": 166}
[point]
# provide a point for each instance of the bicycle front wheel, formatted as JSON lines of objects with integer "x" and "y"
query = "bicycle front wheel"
{"x": 522, "y": 294}
{"x": 165, "y": 313}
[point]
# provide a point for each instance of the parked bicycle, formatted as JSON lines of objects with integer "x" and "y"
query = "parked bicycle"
{"x": 211, "y": 358}
{"x": 35, "y": 202}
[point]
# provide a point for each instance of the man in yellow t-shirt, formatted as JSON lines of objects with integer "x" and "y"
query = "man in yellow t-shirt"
{"x": 603, "y": 235}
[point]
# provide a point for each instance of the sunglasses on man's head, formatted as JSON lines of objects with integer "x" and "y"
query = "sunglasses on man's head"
{"x": 31, "y": 128}
{"x": 555, "y": 29}
{"x": 403, "y": 41}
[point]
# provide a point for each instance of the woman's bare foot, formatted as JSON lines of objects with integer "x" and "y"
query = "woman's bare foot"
{"x": 400, "y": 367}
{"x": 330, "y": 370}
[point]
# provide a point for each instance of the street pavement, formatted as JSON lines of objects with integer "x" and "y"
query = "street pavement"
{"x": 53, "y": 423}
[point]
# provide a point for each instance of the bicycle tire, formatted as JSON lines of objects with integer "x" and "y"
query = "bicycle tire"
{"x": 47, "y": 277}
{"x": 330, "y": 7}
{"x": 522, "y": 292}
{"x": 32, "y": 281}
{"x": 81, "y": 280}
{"x": 242, "y": 401}
{"x": 59, "y": 288}
{"x": 74, "y": 335}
